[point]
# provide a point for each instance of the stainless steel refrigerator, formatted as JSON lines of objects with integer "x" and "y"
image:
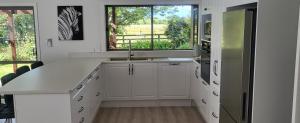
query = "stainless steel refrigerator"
{"x": 238, "y": 47}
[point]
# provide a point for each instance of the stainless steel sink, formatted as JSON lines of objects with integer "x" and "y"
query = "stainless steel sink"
{"x": 118, "y": 59}
{"x": 132, "y": 59}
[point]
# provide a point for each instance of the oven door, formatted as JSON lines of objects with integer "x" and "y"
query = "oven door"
{"x": 205, "y": 69}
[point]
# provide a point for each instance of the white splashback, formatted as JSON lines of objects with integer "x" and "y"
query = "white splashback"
{"x": 176, "y": 54}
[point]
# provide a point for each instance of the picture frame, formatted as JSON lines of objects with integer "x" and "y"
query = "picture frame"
{"x": 70, "y": 23}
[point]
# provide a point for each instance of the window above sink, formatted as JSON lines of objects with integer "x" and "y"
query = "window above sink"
{"x": 151, "y": 27}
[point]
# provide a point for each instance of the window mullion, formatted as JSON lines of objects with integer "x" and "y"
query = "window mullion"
{"x": 152, "y": 28}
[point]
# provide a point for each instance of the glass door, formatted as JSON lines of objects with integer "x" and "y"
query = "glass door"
{"x": 17, "y": 38}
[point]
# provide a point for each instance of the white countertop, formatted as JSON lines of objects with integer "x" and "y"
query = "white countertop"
{"x": 63, "y": 76}
{"x": 54, "y": 78}
{"x": 153, "y": 60}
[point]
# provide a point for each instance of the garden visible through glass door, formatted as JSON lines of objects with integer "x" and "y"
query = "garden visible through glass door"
{"x": 17, "y": 38}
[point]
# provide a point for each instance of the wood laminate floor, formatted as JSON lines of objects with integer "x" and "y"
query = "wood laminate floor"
{"x": 149, "y": 115}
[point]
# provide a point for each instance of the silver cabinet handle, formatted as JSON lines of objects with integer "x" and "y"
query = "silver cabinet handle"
{"x": 215, "y": 67}
{"x": 97, "y": 77}
{"x": 81, "y": 110}
{"x": 82, "y": 120}
{"x": 97, "y": 69}
{"x": 215, "y": 94}
{"x": 214, "y": 115}
{"x": 79, "y": 87}
{"x": 129, "y": 69}
{"x": 132, "y": 69}
{"x": 80, "y": 98}
{"x": 203, "y": 101}
{"x": 98, "y": 94}
{"x": 216, "y": 83}
{"x": 204, "y": 83}
{"x": 196, "y": 72}
{"x": 90, "y": 77}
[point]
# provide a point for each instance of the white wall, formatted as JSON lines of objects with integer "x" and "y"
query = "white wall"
{"x": 47, "y": 16}
{"x": 275, "y": 61}
{"x": 94, "y": 24}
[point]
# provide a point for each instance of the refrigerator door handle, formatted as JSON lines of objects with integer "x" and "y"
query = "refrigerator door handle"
{"x": 196, "y": 72}
{"x": 244, "y": 110}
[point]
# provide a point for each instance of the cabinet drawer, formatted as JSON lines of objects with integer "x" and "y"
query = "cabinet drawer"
{"x": 80, "y": 115}
{"x": 79, "y": 100}
{"x": 79, "y": 110}
{"x": 215, "y": 84}
{"x": 214, "y": 96}
{"x": 80, "y": 93}
{"x": 78, "y": 88}
{"x": 214, "y": 114}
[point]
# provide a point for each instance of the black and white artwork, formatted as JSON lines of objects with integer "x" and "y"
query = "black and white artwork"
{"x": 70, "y": 23}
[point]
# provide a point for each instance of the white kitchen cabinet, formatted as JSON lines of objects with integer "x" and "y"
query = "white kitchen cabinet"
{"x": 195, "y": 86}
{"x": 86, "y": 98}
{"x": 200, "y": 92}
{"x": 94, "y": 94}
{"x": 204, "y": 101}
{"x": 118, "y": 82}
{"x": 174, "y": 80}
{"x": 131, "y": 81}
{"x": 214, "y": 106}
{"x": 144, "y": 81}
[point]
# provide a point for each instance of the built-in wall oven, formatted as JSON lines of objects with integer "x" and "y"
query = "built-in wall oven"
{"x": 205, "y": 47}
{"x": 205, "y": 61}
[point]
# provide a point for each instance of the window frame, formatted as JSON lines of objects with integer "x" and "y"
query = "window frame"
{"x": 152, "y": 26}
{"x": 33, "y": 7}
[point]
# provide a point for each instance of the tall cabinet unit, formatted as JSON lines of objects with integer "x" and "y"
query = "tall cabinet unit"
{"x": 216, "y": 8}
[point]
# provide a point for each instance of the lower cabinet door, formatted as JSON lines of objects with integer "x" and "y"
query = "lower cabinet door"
{"x": 174, "y": 81}
{"x": 118, "y": 82}
{"x": 144, "y": 81}
{"x": 214, "y": 115}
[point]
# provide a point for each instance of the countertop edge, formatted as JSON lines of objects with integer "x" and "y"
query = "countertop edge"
{"x": 69, "y": 90}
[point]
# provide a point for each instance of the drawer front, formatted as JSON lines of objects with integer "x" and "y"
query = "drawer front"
{"x": 203, "y": 104}
{"x": 80, "y": 96}
{"x": 80, "y": 115}
{"x": 79, "y": 88}
{"x": 215, "y": 114}
{"x": 78, "y": 104}
{"x": 216, "y": 84}
{"x": 214, "y": 96}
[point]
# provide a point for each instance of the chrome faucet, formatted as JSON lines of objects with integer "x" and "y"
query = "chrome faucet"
{"x": 130, "y": 54}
